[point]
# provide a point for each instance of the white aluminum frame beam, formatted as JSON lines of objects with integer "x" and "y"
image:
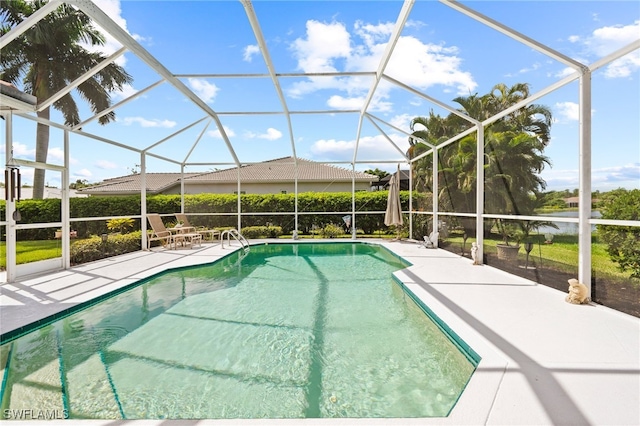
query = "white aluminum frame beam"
{"x": 528, "y": 41}
{"x": 384, "y": 60}
{"x": 118, "y": 105}
{"x": 206, "y": 126}
{"x": 257, "y": 31}
{"x": 8, "y": 103}
{"x": 23, "y": 26}
{"x": 384, "y": 134}
{"x": 101, "y": 18}
{"x": 84, "y": 77}
{"x": 176, "y": 133}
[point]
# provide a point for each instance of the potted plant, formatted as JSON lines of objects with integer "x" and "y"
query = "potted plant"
{"x": 509, "y": 230}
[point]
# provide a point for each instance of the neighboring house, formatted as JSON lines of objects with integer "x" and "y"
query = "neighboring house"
{"x": 574, "y": 202}
{"x": 27, "y": 193}
{"x": 269, "y": 177}
{"x": 404, "y": 180}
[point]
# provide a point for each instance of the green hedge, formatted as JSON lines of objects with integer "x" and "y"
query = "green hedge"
{"x": 93, "y": 248}
{"x": 261, "y": 231}
{"x": 48, "y": 210}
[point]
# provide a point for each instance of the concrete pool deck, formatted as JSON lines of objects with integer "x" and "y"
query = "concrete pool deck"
{"x": 544, "y": 361}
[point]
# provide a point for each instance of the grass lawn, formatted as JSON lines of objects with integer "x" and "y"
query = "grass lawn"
{"x": 32, "y": 251}
{"x": 563, "y": 254}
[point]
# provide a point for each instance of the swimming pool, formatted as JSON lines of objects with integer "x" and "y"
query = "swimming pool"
{"x": 287, "y": 331}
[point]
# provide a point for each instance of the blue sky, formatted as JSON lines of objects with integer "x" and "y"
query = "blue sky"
{"x": 441, "y": 53}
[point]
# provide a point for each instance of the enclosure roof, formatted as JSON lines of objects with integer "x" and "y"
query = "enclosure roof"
{"x": 218, "y": 84}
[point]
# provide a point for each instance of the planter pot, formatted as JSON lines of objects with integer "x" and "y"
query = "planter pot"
{"x": 509, "y": 253}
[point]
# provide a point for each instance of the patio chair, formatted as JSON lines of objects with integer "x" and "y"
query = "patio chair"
{"x": 431, "y": 241}
{"x": 202, "y": 230}
{"x": 168, "y": 238}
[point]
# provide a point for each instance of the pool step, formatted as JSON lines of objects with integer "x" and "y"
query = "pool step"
{"x": 37, "y": 396}
{"x": 90, "y": 392}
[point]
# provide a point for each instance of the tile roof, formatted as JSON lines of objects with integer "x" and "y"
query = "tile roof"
{"x": 283, "y": 169}
{"x": 278, "y": 170}
{"x": 130, "y": 184}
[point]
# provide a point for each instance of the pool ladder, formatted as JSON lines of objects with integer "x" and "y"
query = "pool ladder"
{"x": 237, "y": 236}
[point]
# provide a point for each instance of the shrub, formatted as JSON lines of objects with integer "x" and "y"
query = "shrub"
{"x": 48, "y": 210}
{"x": 93, "y": 248}
{"x": 331, "y": 231}
{"x": 122, "y": 225}
{"x": 623, "y": 242}
{"x": 262, "y": 231}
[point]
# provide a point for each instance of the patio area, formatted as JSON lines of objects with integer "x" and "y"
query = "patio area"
{"x": 544, "y": 361}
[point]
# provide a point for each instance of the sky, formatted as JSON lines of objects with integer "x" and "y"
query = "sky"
{"x": 441, "y": 53}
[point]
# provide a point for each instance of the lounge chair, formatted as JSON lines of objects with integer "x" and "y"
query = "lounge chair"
{"x": 431, "y": 241}
{"x": 206, "y": 233}
{"x": 167, "y": 237}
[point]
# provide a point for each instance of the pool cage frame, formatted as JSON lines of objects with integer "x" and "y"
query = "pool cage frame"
{"x": 10, "y": 107}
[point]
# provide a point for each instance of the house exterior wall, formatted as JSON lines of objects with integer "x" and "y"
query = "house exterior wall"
{"x": 269, "y": 188}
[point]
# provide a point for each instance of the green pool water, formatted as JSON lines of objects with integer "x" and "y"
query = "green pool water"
{"x": 285, "y": 331}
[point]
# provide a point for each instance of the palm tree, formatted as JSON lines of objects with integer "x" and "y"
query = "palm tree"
{"x": 513, "y": 152}
{"x": 47, "y": 57}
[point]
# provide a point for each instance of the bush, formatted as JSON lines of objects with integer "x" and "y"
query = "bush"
{"x": 262, "y": 231}
{"x": 122, "y": 225}
{"x": 94, "y": 249}
{"x": 331, "y": 231}
{"x": 48, "y": 210}
{"x": 623, "y": 242}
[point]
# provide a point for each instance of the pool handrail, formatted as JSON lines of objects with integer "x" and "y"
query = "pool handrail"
{"x": 237, "y": 236}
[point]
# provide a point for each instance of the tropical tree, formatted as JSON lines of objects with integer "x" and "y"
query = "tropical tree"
{"x": 49, "y": 56}
{"x": 514, "y": 147}
{"x": 623, "y": 242}
{"x": 377, "y": 172}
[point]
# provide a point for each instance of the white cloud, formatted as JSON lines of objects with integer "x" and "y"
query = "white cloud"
{"x": 606, "y": 40}
{"x": 614, "y": 176}
{"x": 113, "y": 10}
{"x": 373, "y": 35}
{"x": 568, "y": 110}
{"x": 624, "y": 66}
{"x": 340, "y": 102}
{"x": 126, "y": 92}
{"x": 369, "y": 148}
{"x": 521, "y": 71}
{"x": 167, "y": 124}
{"x": 21, "y": 150}
{"x": 205, "y": 90}
{"x": 329, "y": 47}
{"x": 105, "y": 165}
{"x": 565, "y": 72}
{"x": 58, "y": 154}
{"x": 216, "y": 133}
{"x": 604, "y": 179}
{"x": 423, "y": 65}
{"x": 402, "y": 121}
{"x": 324, "y": 44}
{"x": 271, "y": 134}
{"x": 250, "y": 51}
{"x": 82, "y": 173}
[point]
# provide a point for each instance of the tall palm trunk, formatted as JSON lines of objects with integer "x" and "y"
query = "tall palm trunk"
{"x": 42, "y": 148}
